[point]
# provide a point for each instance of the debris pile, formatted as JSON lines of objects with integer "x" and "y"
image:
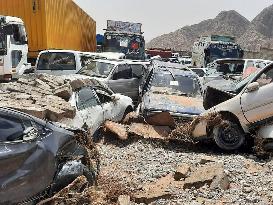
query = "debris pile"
{"x": 43, "y": 96}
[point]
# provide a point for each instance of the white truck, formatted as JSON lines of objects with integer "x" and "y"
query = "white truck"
{"x": 13, "y": 48}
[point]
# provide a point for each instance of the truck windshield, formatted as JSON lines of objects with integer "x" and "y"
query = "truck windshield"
{"x": 218, "y": 51}
{"x": 57, "y": 61}
{"x": 97, "y": 69}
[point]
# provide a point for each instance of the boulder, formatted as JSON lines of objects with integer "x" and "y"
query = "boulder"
{"x": 212, "y": 175}
{"x": 117, "y": 129}
{"x": 160, "y": 119}
{"x": 181, "y": 172}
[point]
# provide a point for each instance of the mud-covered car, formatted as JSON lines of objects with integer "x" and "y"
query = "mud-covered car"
{"x": 177, "y": 91}
{"x": 249, "y": 112}
{"x": 37, "y": 158}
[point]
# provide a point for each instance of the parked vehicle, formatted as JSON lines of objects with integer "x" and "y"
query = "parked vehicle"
{"x": 13, "y": 48}
{"x": 96, "y": 103}
{"x": 123, "y": 77}
{"x": 249, "y": 112}
{"x": 210, "y": 48}
{"x": 37, "y": 158}
{"x": 53, "y": 24}
{"x": 63, "y": 62}
{"x": 125, "y": 37}
{"x": 172, "y": 90}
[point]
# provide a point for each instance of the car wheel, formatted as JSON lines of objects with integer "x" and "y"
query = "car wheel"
{"x": 229, "y": 136}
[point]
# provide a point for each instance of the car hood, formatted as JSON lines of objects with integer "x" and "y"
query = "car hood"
{"x": 173, "y": 103}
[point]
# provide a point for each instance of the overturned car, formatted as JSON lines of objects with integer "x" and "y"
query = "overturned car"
{"x": 38, "y": 158}
{"x": 176, "y": 91}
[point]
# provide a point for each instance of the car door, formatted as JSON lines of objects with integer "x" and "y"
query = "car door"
{"x": 110, "y": 105}
{"x": 137, "y": 79}
{"x": 121, "y": 80}
{"x": 257, "y": 105}
{"x": 89, "y": 111}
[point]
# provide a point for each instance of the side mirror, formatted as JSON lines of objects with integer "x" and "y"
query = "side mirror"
{"x": 30, "y": 133}
{"x": 253, "y": 87}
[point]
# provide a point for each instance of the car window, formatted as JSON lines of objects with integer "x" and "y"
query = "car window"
{"x": 122, "y": 72}
{"x": 86, "y": 98}
{"x": 137, "y": 71}
{"x": 266, "y": 77}
{"x": 10, "y": 127}
{"x": 103, "y": 96}
{"x": 57, "y": 61}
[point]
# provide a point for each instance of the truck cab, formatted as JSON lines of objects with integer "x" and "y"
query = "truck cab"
{"x": 13, "y": 48}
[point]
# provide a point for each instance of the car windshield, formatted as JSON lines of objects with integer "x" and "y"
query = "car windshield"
{"x": 97, "y": 69}
{"x": 166, "y": 83}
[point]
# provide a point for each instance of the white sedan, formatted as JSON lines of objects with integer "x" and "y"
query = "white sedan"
{"x": 95, "y": 104}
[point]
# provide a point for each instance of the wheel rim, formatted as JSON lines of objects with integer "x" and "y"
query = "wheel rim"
{"x": 229, "y": 136}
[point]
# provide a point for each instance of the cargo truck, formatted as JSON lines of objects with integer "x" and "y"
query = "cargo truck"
{"x": 211, "y": 48}
{"x": 53, "y": 24}
{"x": 13, "y": 48}
{"x": 125, "y": 37}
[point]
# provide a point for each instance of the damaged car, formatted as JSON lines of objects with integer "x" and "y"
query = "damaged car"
{"x": 247, "y": 114}
{"x": 95, "y": 103}
{"x": 176, "y": 91}
{"x": 37, "y": 158}
{"x": 123, "y": 76}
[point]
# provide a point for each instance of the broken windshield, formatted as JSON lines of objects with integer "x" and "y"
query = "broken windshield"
{"x": 164, "y": 83}
{"x": 97, "y": 69}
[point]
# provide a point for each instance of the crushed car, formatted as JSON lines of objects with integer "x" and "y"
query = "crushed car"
{"x": 122, "y": 76}
{"x": 247, "y": 114}
{"x": 38, "y": 158}
{"x": 73, "y": 100}
{"x": 172, "y": 90}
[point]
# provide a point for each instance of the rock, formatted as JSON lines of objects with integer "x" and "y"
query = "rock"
{"x": 149, "y": 131}
{"x": 181, "y": 172}
{"x": 119, "y": 130}
{"x": 207, "y": 159}
{"x": 124, "y": 200}
{"x": 212, "y": 175}
{"x": 133, "y": 117}
{"x": 161, "y": 119}
{"x": 252, "y": 168}
{"x": 63, "y": 92}
{"x": 156, "y": 190}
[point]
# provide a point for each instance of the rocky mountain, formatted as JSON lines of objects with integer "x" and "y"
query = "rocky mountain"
{"x": 249, "y": 34}
{"x": 260, "y": 32}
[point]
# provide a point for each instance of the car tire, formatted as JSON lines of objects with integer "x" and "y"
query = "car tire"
{"x": 229, "y": 136}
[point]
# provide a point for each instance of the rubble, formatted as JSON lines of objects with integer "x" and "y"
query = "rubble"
{"x": 181, "y": 172}
{"x": 117, "y": 129}
{"x": 161, "y": 119}
{"x": 43, "y": 96}
{"x": 212, "y": 175}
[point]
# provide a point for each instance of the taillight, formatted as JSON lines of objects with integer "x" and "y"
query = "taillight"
{"x": 8, "y": 77}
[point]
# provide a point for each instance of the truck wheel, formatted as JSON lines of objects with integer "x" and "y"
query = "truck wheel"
{"x": 229, "y": 136}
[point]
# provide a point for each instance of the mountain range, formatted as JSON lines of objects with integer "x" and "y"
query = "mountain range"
{"x": 251, "y": 35}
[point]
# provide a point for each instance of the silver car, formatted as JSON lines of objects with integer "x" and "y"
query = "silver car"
{"x": 122, "y": 77}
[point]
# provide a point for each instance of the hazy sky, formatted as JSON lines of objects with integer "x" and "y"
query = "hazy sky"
{"x": 164, "y": 16}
